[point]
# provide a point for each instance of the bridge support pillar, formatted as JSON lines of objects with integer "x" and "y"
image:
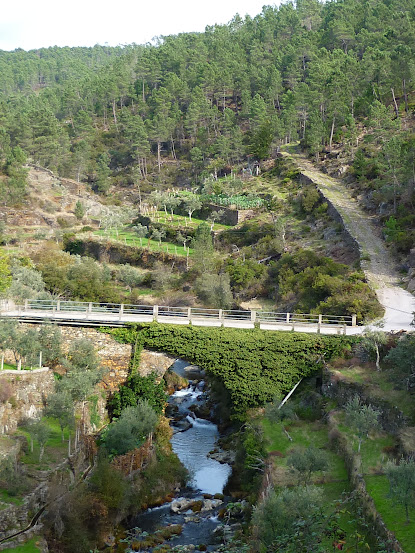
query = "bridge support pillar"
{"x": 155, "y": 312}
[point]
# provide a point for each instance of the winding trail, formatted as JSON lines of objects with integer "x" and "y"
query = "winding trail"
{"x": 376, "y": 261}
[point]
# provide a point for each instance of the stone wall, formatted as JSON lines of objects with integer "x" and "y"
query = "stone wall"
{"x": 115, "y": 357}
{"x": 332, "y": 211}
{"x": 29, "y": 390}
{"x": 232, "y": 216}
{"x": 53, "y": 483}
{"x": 107, "y": 251}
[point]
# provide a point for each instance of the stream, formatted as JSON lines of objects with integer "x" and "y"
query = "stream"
{"x": 193, "y": 438}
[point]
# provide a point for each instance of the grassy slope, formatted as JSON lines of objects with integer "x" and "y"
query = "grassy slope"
{"x": 334, "y": 482}
{"x": 28, "y": 547}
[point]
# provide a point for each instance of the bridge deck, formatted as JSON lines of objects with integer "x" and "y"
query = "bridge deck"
{"x": 95, "y": 314}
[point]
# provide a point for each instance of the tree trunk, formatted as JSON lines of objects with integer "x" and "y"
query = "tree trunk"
{"x": 331, "y": 133}
{"x": 159, "y": 155}
{"x": 114, "y": 114}
{"x": 173, "y": 151}
{"x": 405, "y": 95}
{"x": 395, "y": 103}
{"x": 377, "y": 357}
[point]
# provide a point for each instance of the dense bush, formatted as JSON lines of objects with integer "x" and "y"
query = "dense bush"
{"x": 135, "y": 389}
{"x": 318, "y": 284}
{"x": 131, "y": 429}
{"x": 253, "y": 365}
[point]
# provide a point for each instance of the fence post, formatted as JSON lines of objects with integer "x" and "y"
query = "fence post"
{"x": 121, "y": 310}
{"x": 320, "y": 320}
{"x": 155, "y": 312}
{"x": 189, "y": 315}
{"x": 26, "y": 304}
{"x": 58, "y": 305}
{"x": 353, "y": 320}
{"x": 220, "y": 316}
{"x": 344, "y": 329}
{"x": 253, "y": 316}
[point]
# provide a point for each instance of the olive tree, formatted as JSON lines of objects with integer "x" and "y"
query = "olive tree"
{"x": 402, "y": 483}
{"x": 362, "y": 418}
{"x": 304, "y": 462}
{"x": 130, "y": 430}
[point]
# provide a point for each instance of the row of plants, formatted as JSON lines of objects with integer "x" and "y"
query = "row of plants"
{"x": 240, "y": 201}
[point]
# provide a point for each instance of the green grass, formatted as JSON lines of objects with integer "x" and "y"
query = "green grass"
{"x": 374, "y": 457}
{"x": 28, "y": 547}
{"x": 304, "y": 434}
{"x": 129, "y": 238}
{"x": 393, "y": 515}
{"x": 7, "y": 498}
{"x": 55, "y": 449}
{"x": 334, "y": 482}
{"x": 181, "y": 221}
{"x": 8, "y": 367}
{"x": 372, "y": 449}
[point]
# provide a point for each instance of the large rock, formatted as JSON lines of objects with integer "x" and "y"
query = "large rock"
{"x": 182, "y": 504}
{"x": 193, "y": 372}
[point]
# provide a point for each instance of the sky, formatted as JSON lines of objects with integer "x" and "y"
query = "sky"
{"x": 31, "y": 24}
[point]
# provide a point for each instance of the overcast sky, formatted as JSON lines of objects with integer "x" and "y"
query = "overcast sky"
{"x": 30, "y": 24}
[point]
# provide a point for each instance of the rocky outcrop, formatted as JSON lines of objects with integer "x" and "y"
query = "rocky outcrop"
{"x": 154, "y": 362}
{"x": 28, "y": 392}
{"x": 182, "y": 504}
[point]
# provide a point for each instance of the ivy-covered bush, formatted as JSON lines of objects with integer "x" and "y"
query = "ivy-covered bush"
{"x": 253, "y": 365}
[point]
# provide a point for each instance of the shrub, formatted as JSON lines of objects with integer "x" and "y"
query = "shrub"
{"x": 138, "y": 388}
{"x": 130, "y": 430}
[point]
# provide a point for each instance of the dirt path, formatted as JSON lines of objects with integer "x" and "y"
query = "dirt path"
{"x": 376, "y": 261}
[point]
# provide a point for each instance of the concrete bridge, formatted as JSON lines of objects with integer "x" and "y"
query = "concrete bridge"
{"x": 111, "y": 314}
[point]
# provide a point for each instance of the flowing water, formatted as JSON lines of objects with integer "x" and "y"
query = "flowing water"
{"x": 192, "y": 441}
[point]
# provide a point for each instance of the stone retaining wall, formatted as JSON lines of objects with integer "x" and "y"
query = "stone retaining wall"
{"x": 332, "y": 211}
{"x": 29, "y": 390}
{"x": 355, "y": 472}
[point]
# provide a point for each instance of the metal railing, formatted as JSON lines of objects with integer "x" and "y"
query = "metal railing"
{"x": 123, "y": 313}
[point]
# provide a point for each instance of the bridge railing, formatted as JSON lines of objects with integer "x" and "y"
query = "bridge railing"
{"x": 155, "y": 312}
{"x": 298, "y": 318}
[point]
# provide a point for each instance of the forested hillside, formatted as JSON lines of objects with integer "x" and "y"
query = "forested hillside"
{"x": 319, "y": 73}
